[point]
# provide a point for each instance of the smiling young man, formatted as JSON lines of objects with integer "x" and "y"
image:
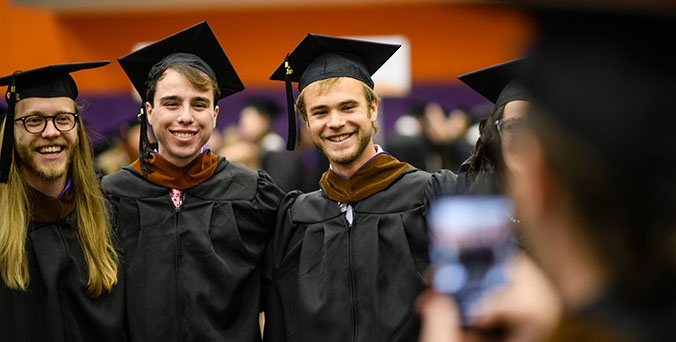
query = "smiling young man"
{"x": 347, "y": 261}
{"x": 58, "y": 264}
{"x": 193, "y": 225}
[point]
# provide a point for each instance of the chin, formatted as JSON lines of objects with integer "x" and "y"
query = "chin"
{"x": 344, "y": 158}
{"x": 50, "y": 174}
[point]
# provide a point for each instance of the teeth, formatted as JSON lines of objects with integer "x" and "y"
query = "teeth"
{"x": 339, "y": 138}
{"x": 50, "y": 149}
{"x": 184, "y": 134}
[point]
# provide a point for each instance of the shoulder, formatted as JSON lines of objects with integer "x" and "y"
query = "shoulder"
{"x": 231, "y": 181}
{"x": 445, "y": 180}
{"x": 129, "y": 183}
{"x": 410, "y": 183}
{"x": 412, "y": 189}
{"x": 310, "y": 207}
{"x": 234, "y": 172}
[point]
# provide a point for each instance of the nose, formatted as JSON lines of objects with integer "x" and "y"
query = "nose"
{"x": 50, "y": 130}
{"x": 335, "y": 120}
{"x": 186, "y": 116}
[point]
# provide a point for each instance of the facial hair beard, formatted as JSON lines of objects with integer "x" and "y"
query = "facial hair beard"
{"x": 49, "y": 171}
{"x": 360, "y": 147}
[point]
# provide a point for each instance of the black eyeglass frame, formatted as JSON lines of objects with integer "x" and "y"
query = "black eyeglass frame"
{"x": 46, "y": 119}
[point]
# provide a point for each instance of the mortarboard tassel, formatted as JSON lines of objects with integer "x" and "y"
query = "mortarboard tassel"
{"x": 291, "y": 138}
{"x": 144, "y": 145}
{"x": 6, "y": 154}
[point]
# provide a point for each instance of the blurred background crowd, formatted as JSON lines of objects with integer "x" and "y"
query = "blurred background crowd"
{"x": 428, "y": 118}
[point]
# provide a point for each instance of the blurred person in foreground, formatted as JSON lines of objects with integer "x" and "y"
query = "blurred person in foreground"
{"x": 57, "y": 257}
{"x": 347, "y": 261}
{"x": 598, "y": 218}
{"x": 194, "y": 225}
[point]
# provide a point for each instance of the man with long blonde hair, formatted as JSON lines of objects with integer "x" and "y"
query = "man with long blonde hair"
{"x": 57, "y": 260}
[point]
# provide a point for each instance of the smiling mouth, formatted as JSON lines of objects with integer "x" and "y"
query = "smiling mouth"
{"x": 183, "y": 135}
{"x": 51, "y": 149}
{"x": 339, "y": 138}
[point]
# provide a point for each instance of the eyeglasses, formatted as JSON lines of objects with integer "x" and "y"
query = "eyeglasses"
{"x": 509, "y": 126}
{"x": 63, "y": 122}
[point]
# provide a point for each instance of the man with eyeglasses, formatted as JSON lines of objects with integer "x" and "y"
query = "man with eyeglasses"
{"x": 57, "y": 259}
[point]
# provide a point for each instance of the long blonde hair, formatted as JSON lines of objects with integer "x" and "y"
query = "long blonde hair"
{"x": 93, "y": 224}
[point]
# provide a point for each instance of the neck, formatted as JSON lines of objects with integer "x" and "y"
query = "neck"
{"x": 178, "y": 162}
{"x": 50, "y": 188}
{"x": 347, "y": 170}
{"x": 572, "y": 266}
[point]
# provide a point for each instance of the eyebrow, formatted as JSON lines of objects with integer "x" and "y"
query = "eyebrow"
{"x": 178, "y": 98}
{"x": 202, "y": 99}
{"x": 37, "y": 112}
{"x": 346, "y": 102}
{"x": 170, "y": 98}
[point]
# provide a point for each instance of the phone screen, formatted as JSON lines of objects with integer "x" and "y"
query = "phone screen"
{"x": 471, "y": 241}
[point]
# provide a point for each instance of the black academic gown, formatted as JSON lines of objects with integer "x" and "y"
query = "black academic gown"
{"x": 57, "y": 307}
{"x": 193, "y": 273}
{"x": 335, "y": 281}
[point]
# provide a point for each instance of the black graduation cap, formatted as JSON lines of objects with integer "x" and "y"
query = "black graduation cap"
{"x": 497, "y": 83}
{"x": 605, "y": 77}
{"x": 195, "y": 46}
{"x": 49, "y": 81}
{"x": 319, "y": 57}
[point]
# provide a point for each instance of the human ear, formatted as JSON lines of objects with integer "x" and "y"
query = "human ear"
{"x": 216, "y": 110}
{"x": 149, "y": 111}
{"x": 374, "y": 110}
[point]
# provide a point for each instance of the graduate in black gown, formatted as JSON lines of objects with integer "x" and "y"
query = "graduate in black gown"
{"x": 193, "y": 225}
{"x": 347, "y": 261}
{"x": 483, "y": 172}
{"x": 58, "y": 263}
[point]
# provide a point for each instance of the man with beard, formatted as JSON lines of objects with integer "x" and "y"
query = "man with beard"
{"x": 193, "y": 224}
{"x": 58, "y": 264}
{"x": 347, "y": 261}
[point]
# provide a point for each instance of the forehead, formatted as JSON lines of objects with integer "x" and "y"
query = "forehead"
{"x": 173, "y": 83}
{"x": 343, "y": 89}
{"x": 44, "y": 105}
{"x": 515, "y": 109}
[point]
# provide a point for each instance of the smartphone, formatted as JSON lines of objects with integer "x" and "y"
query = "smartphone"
{"x": 471, "y": 242}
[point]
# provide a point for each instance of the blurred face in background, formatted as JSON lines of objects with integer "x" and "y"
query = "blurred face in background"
{"x": 253, "y": 125}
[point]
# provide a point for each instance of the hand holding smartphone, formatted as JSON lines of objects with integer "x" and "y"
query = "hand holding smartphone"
{"x": 471, "y": 242}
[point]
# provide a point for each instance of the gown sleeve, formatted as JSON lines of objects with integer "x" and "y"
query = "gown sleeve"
{"x": 275, "y": 252}
{"x": 442, "y": 183}
{"x": 267, "y": 199}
